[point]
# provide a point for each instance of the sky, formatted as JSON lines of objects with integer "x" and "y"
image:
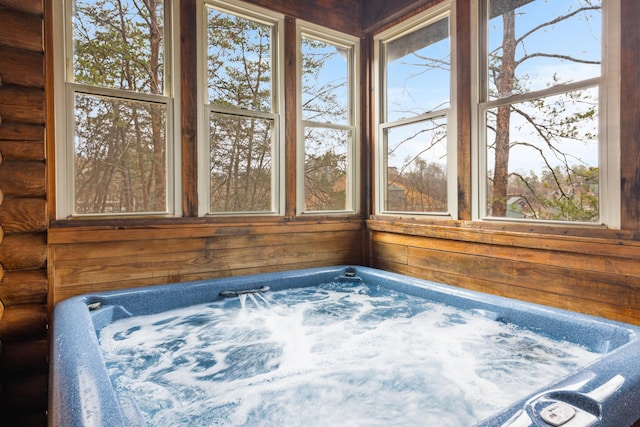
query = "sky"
{"x": 576, "y": 37}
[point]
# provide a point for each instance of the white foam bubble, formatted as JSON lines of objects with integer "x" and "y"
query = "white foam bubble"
{"x": 332, "y": 355}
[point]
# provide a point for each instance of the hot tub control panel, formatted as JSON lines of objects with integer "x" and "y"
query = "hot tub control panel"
{"x": 557, "y": 414}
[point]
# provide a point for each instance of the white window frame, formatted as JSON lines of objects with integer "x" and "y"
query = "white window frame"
{"x": 276, "y": 21}
{"x": 609, "y": 125}
{"x": 65, "y": 89}
{"x": 433, "y": 14}
{"x": 352, "y": 45}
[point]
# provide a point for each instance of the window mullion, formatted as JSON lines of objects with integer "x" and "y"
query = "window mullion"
{"x": 242, "y": 113}
{"x": 554, "y": 90}
{"x": 118, "y": 93}
{"x": 310, "y": 123}
{"x": 416, "y": 119}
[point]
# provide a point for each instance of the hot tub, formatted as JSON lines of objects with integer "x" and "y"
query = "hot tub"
{"x": 86, "y": 388}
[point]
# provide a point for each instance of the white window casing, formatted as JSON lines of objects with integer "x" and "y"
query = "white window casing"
{"x": 351, "y": 45}
{"x": 65, "y": 89}
{"x": 608, "y": 85}
{"x": 439, "y": 12}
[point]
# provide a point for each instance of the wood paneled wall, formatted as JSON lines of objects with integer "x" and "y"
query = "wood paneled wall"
{"x": 339, "y": 15}
{"x": 593, "y": 275}
{"x": 379, "y": 13}
{"x": 23, "y": 247}
{"x": 93, "y": 260}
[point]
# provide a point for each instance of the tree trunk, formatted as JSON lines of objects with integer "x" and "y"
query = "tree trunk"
{"x": 505, "y": 87}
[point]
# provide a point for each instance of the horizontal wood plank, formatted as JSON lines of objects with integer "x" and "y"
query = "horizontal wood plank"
{"x": 22, "y": 150}
{"x": 21, "y": 68}
{"x": 21, "y": 215}
{"x": 24, "y": 287}
{"x": 624, "y": 266}
{"x": 23, "y": 179}
{"x": 26, "y": 6}
{"x": 592, "y": 275}
{"x": 24, "y": 358}
{"x": 569, "y": 231}
{"x": 16, "y": 131}
{"x": 601, "y": 287}
{"x": 158, "y": 247}
{"x": 21, "y": 30}
{"x": 62, "y": 293}
{"x": 19, "y": 104}
{"x": 117, "y": 259}
{"x": 578, "y": 244}
{"x": 537, "y": 296}
{"x": 174, "y": 264}
{"x": 24, "y": 251}
{"x": 22, "y": 322}
{"x": 396, "y": 253}
{"x": 79, "y": 234}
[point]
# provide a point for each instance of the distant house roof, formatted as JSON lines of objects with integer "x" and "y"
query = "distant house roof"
{"x": 515, "y": 205}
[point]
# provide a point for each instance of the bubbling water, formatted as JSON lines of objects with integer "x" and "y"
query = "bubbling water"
{"x": 336, "y": 354}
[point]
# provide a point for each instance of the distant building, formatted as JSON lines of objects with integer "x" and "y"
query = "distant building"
{"x": 515, "y": 206}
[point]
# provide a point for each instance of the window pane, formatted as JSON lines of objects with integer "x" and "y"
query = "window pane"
{"x": 119, "y": 44}
{"x": 416, "y": 160}
{"x": 542, "y": 158}
{"x": 417, "y": 72}
{"x": 537, "y": 44}
{"x": 240, "y": 163}
{"x": 325, "y": 91}
{"x": 239, "y": 62}
{"x": 120, "y": 156}
{"x": 325, "y": 169}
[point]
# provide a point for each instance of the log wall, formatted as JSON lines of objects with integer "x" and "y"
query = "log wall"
{"x": 23, "y": 248}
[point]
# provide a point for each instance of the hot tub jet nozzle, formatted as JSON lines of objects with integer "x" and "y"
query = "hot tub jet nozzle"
{"x": 227, "y": 294}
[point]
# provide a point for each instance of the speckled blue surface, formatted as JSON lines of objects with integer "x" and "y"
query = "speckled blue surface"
{"x": 606, "y": 393}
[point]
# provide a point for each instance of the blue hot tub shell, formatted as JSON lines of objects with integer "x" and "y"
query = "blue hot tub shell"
{"x": 605, "y": 393}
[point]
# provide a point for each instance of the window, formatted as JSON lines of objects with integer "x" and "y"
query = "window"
{"x": 243, "y": 112}
{"x": 116, "y": 115}
{"x": 416, "y": 154}
{"x": 327, "y": 121}
{"x": 547, "y": 91}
